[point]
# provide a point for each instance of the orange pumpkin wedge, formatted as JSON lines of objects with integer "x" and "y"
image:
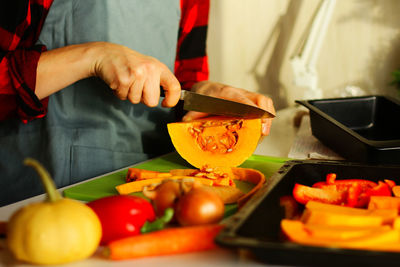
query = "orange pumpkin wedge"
{"x": 137, "y": 186}
{"x": 382, "y": 238}
{"x": 215, "y": 141}
{"x": 249, "y": 175}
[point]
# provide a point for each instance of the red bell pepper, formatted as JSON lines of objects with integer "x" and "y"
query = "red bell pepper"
{"x": 358, "y": 191}
{"x": 390, "y": 183}
{"x": 320, "y": 184}
{"x": 303, "y": 194}
{"x": 382, "y": 189}
{"x": 363, "y": 183}
{"x": 353, "y": 194}
{"x": 330, "y": 178}
{"x": 345, "y": 184}
{"x": 122, "y": 215}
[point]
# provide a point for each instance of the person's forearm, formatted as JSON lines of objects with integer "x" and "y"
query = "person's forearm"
{"x": 61, "y": 67}
{"x": 130, "y": 74}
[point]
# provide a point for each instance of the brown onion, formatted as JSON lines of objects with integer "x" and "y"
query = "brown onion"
{"x": 166, "y": 196}
{"x": 199, "y": 206}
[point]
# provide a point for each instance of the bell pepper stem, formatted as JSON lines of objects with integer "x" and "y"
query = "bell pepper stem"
{"x": 48, "y": 183}
{"x": 159, "y": 223}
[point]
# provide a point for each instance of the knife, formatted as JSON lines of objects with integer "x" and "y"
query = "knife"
{"x": 219, "y": 106}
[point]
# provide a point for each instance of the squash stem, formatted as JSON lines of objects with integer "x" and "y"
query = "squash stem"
{"x": 48, "y": 183}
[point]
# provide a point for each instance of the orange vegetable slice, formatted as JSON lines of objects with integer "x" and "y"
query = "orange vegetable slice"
{"x": 215, "y": 141}
{"x": 396, "y": 190}
{"x": 220, "y": 176}
{"x": 249, "y": 175}
{"x": 337, "y": 219}
{"x": 135, "y": 174}
{"x": 330, "y": 214}
{"x": 380, "y": 239}
{"x": 384, "y": 202}
{"x": 137, "y": 186}
{"x": 341, "y": 232}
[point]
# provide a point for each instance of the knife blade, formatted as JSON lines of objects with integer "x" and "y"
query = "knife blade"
{"x": 219, "y": 106}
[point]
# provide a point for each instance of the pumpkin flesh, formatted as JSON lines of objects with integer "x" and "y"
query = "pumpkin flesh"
{"x": 216, "y": 141}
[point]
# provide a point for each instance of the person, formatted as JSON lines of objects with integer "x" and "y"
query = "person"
{"x": 80, "y": 85}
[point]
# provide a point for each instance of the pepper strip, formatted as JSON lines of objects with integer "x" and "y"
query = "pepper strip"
{"x": 303, "y": 194}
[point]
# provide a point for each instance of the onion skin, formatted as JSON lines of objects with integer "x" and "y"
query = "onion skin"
{"x": 166, "y": 197}
{"x": 199, "y": 206}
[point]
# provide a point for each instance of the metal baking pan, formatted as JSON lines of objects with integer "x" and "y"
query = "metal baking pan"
{"x": 256, "y": 226}
{"x": 361, "y": 129}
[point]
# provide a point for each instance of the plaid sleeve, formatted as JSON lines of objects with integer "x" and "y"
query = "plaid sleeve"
{"x": 20, "y": 25}
{"x": 191, "y": 64}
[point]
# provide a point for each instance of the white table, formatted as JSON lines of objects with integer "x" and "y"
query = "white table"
{"x": 277, "y": 144}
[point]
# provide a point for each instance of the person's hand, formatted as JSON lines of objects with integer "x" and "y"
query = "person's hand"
{"x": 234, "y": 94}
{"x": 135, "y": 76}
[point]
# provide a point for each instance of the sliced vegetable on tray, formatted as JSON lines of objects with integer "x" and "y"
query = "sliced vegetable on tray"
{"x": 347, "y": 213}
{"x": 348, "y": 192}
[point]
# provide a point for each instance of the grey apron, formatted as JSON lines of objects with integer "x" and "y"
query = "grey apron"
{"x": 88, "y": 131}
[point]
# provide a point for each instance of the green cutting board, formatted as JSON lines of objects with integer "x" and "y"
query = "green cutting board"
{"x": 105, "y": 185}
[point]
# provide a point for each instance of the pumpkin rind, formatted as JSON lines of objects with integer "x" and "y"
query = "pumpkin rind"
{"x": 215, "y": 141}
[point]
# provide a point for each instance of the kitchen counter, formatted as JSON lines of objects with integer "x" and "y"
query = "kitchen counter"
{"x": 277, "y": 144}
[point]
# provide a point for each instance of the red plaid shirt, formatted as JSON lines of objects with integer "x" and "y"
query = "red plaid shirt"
{"x": 20, "y": 24}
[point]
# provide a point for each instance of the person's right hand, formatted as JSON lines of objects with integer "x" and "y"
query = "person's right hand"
{"x": 135, "y": 76}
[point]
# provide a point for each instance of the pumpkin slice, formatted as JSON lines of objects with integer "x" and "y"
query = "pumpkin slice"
{"x": 228, "y": 194}
{"x": 341, "y": 233}
{"x": 220, "y": 176}
{"x": 137, "y": 186}
{"x": 387, "y": 215}
{"x": 379, "y": 239}
{"x": 341, "y": 219}
{"x": 136, "y": 174}
{"x": 249, "y": 175}
{"x": 224, "y": 177}
{"x": 215, "y": 141}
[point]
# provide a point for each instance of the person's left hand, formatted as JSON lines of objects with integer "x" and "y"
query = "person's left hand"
{"x": 235, "y": 94}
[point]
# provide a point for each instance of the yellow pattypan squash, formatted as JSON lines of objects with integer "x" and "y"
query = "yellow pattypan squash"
{"x": 56, "y": 231}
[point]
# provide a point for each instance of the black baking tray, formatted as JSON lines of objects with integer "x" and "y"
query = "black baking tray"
{"x": 256, "y": 226}
{"x": 361, "y": 129}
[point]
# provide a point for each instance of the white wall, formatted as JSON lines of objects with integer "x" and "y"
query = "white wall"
{"x": 250, "y": 43}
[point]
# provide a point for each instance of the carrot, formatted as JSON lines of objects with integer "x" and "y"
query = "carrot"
{"x": 164, "y": 242}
